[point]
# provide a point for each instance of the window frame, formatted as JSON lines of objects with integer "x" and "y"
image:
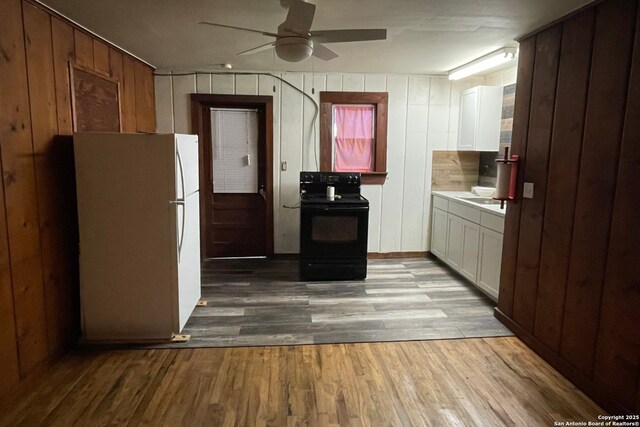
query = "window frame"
{"x": 381, "y": 101}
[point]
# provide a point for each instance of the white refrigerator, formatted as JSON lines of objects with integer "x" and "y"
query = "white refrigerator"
{"x": 139, "y": 220}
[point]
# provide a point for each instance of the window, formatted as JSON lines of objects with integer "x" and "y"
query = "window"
{"x": 353, "y": 134}
{"x": 353, "y": 138}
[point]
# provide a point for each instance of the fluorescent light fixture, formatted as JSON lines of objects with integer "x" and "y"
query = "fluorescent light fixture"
{"x": 491, "y": 60}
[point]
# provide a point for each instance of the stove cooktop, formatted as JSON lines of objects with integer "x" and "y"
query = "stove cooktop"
{"x": 352, "y": 199}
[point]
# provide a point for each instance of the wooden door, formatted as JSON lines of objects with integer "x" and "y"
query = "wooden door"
{"x": 236, "y": 214}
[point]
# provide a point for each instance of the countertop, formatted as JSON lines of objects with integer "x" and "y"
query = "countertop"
{"x": 455, "y": 196}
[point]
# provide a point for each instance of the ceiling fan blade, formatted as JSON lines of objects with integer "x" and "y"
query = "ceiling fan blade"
{"x": 264, "y": 33}
{"x": 299, "y": 18}
{"x": 257, "y": 49}
{"x": 338, "y": 36}
{"x": 320, "y": 51}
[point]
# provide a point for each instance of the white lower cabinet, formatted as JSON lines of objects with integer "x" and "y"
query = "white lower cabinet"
{"x": 489, "y": 261}
{"x": 454, "y": 241}
{"x": 466, "y": 245}
{"x": 439, "y": 233}
{"x": 470, "y": 239}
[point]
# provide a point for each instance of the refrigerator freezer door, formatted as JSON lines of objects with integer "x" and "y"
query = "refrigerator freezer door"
{"x": 124, "y": 183}
{"x": 188, "y": 255}
{"x": 187, "y": 176}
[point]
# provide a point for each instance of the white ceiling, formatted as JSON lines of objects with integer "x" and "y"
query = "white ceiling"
{"x": 424, "y": 36}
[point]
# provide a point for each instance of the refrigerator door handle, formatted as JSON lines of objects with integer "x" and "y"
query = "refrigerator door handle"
{"x": 179, "y": 203}
{"x": 180, "y": 166}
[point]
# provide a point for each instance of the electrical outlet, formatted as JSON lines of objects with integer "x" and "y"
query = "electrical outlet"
{"x": 527, "y": 191}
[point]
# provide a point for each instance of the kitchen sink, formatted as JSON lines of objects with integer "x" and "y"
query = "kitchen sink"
{"x": 481, "y": 200}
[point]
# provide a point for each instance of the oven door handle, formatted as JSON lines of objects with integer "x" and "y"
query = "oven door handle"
{"x": 337, "y": 208}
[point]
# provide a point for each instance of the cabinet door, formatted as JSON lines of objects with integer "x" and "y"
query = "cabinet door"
{"x": 439, "y": 233}
{"x": 470, "y": 244}
{"x": 489, "y": 261}
{"x": 468, "y": 120}
{"x": 454, "y": 241}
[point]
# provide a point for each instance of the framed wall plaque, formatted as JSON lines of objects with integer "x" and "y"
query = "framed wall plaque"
{"x": 95, "y": 100}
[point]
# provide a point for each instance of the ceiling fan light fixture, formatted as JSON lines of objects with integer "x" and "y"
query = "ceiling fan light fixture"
{"x": 294, "y": 49}
{"x": 483, "y": 63}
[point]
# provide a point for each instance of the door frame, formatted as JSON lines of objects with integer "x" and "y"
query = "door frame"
{"x": 200, "y": 125}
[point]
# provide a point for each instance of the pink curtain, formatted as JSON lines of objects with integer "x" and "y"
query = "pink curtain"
{"x": 354, "y": 138}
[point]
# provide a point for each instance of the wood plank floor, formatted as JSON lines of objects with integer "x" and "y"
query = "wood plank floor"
{"x": 263, "y": 302}
{"x": 466, "y": 382}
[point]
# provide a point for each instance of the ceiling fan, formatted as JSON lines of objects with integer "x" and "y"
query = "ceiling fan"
{"x": 295, "y": 42}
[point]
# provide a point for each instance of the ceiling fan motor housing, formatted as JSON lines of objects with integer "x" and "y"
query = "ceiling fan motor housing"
{"x": 294, "y": 48}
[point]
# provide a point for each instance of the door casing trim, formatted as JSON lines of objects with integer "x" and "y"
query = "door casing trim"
{"x": 200, "y": 105}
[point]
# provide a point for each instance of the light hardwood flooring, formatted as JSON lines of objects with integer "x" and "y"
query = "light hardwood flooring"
{"x": 467, "y": 382}
{"x": 263, "y": 302}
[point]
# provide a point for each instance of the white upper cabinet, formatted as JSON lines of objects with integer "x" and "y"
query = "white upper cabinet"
{"x": 480, "y": 114}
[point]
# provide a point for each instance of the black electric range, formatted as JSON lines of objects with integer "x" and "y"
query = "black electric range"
{"x": 333, "y": 233}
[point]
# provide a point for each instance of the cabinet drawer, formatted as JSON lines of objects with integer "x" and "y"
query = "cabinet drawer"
{"x": 494, "y": 222}
{"x": 467, "y": 212}
{"x": 440, "y": 203}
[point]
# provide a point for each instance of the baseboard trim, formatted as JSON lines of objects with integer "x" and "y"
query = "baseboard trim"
{"x": 284, "y": 256}
{"x": 389, "y": 255}
{"x": 580, "y": 380}
{"x": 370, "y": 255}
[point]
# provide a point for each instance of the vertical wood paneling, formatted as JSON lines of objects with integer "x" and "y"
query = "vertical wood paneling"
{"x": 145, "y": 102}
{"x": 38, "y": 236}
{"x": 291, "y": 118}
{"x": 203, "y": 83}
{"x": 246, "y": 85}
{"x": 334, "y": 82}
{"x": 84, "y": 49}
{"x": 375, "y": 83}
{"x": 603, "y": 127}
{"x": 51, "y": 214}
{"x": 183, "y": 87}
{"x": 564, "y": 166}
{"x": 414, "y": 166}
{"x": 313, "y": 85}
{"x": 391, "y": 228}
{"x": 373, "y": 193}
{"x": 13, "y": 130}
{"x": 128, "y": 94}
{"x": 353, "y": 82}
{"x": 8, "y": 343}
{"x": 518, "y": 146}
{"x": 617, "y": 365}
{"x": 270, "y": 86}
{"x": 587, "y": 316}
{"x": 545, "y": 75}
{"x": 164, "y": 103}
{"x": 223, "y": 84}
{"x": 115, "y": 66}
{"x": 100, "y": 57}
{"x": 63, "y": 53}
{"x": 20, "y": 197}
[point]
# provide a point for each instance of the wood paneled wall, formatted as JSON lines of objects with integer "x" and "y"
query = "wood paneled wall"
{"x": 570, "y": 284}
{"x": 38, "y": 244}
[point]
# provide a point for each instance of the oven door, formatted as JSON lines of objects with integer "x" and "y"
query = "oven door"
{"x": 329, "y": 231}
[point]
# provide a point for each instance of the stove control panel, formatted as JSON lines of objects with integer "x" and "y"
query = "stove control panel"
{"x": 317, "y": 182}
{"x": 330, "y": 178}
